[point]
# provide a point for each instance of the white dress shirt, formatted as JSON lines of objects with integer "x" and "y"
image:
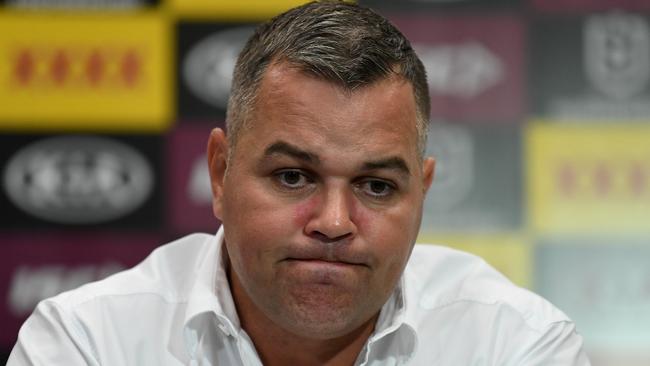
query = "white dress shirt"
{"x": 175, "y": 308}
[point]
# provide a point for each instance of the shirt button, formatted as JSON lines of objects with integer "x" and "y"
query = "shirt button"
{"x": 224, "y": 329}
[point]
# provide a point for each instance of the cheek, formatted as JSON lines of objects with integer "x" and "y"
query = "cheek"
{"x": 393, "y": 230}
{"x": 304, "y": 211}
{"x": 361, "y": 216}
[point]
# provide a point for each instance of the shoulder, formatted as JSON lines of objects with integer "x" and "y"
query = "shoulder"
{"x": 97, "y": 321}
{"x": 441, "y": 277}
{"x": 463, "y": 311}
{"x": 166, "y": 273}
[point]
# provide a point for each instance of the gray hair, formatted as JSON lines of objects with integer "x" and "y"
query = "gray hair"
{"x": 340, "y": 42}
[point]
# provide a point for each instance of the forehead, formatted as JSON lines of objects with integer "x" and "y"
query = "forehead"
{"x": 290, "y": 100}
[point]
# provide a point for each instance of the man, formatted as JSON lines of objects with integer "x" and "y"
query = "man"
{"x": 319, "y": 186}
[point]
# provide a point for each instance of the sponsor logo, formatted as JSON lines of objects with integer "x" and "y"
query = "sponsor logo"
{"x": 189, "y": 191}
{"x": 78, "y": 180}
{"x": 208, "y": 67}
{"x": 474, "y": 65}
{"x": 477, "y": 184}
{"x": 631, "y": 285}
{"x": 66, "y": 66}
{"x": 617, "y": 54}
{"x": 463, "y": 70}
{"x": 31, "y": 284}
{"x": 453, "y": 148}
{"x": 111, "y": 71}
{"x": 576, "y": 185}
{"x": 597, "y": 276}
{"x": 602, "y": 179}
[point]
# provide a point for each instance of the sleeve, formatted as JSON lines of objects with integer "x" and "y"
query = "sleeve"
{"x": 558, "y": 345}
{"x": 51, "y": 336}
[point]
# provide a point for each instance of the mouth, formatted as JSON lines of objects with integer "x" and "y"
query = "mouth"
{"x": 332, "y": 259}
{"x": 327, "y": 257}
{"x": 323, "y": 272}
{"x": 323, "y": 262}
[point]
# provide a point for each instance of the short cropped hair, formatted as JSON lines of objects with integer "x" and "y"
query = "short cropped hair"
{"x": 343, "y": 43}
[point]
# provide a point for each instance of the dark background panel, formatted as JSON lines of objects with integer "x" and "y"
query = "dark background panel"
{"x": 212, "y": 46}
{"x": 594, "y": 66}
{"x": 147, "y": 216}
{"x": 555, "y": 60}
{"x": 478, "y": 184}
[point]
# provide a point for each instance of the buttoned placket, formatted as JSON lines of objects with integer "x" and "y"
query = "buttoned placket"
{"x": 247, "y": 351}
{"x": 391, "y": 320}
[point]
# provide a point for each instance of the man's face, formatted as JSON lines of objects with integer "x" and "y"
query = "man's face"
{"x": 322, "y": 201}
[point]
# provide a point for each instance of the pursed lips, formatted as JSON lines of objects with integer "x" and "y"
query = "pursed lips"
{"x": 320, "y": 265}
{"x": 328, "y": 256}
{"x": 326, "y": 262}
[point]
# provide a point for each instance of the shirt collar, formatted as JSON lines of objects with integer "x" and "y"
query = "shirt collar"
{"x": 395, "y": 323}
{"x": 210, "y": 293}
{"x": 393, "y": 313}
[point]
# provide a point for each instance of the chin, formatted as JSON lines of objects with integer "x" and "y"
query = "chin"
{"x": 319, "y": 330}
{"x": 324, "y": 320}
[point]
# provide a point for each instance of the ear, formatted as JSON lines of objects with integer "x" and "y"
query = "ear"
{"x": 428, "y": 172}
{"x": 217, "y": 164}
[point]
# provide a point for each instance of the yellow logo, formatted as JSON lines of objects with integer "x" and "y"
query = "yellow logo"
{"x": 84, "y": 72}
{"x": 589, "y": 178}
{"x": 70, "y": 67}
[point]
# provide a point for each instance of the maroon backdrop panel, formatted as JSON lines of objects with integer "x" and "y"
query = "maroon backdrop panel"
{"x": 36, "y": 266}
{"x": 188, "y": 179}
{"x": 475, "y": 65}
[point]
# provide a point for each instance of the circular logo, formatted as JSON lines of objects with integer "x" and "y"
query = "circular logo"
{"x": 208, "y": 66}
{"x": 78, "y": 179}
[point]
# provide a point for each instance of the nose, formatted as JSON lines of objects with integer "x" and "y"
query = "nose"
{"x": 332, "y": 219}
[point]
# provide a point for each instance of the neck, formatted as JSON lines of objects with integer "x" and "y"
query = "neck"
{"x": 275, "y": 346}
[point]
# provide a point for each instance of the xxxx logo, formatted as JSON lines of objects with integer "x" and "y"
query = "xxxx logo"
{"x": 76, "y": 67}
{"x": 603, "y": 180}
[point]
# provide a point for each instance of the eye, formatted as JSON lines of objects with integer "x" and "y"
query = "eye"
{"x": 377, "y": 188}
{"x": 292, "y": 179}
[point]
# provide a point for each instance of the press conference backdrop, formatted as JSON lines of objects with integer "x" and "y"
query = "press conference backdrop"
{"x": 540, "y": 124}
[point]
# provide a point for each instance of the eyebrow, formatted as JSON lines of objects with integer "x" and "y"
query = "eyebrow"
{"x": 392, "y": 163}
{"x": 285, "y": 148}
